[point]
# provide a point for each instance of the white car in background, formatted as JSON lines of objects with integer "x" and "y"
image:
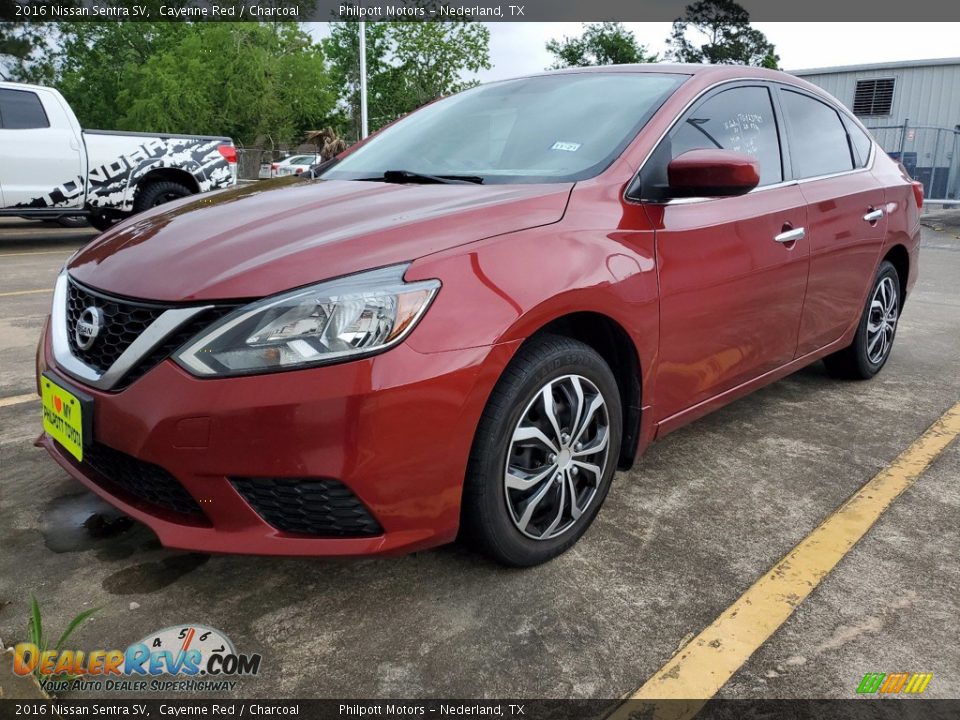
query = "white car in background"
{"x": 293, "y": 165}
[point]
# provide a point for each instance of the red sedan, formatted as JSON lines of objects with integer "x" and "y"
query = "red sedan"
{"x": 466, "y": 324}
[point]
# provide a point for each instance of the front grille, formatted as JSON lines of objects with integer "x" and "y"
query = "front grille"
{"x": 123, "y": 474}
{"x": 175, "y": 340}
{"x": 123, "y": 322}
{"x": 322, "y": 508}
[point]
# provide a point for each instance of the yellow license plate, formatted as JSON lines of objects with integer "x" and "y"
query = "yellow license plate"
{"x": 62, "y": 416}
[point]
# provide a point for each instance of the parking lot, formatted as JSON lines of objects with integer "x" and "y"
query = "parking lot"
{"x": 706, "y": 513}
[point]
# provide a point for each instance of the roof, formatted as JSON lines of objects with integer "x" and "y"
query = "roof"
{"x": 933, "y": 62}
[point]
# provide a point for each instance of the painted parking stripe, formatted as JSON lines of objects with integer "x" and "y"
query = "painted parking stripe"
{"x": 26, "y": 292}
{"x": 18, "y": 399}
{"x": 708, "y": 661}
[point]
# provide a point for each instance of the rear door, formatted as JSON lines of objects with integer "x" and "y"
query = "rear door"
{"x": 42, "y": 158}
{"x": 845, "y": 221}
{"x": 731, "y": 284}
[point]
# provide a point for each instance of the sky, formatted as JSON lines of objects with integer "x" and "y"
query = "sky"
{"x": 518, "y": 48}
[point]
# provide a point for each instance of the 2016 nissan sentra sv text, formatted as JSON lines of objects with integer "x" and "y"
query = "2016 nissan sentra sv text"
{"x": 467, "y": 323}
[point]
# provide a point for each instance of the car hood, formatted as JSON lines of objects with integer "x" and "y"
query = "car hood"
{"x": 266, "y": 237}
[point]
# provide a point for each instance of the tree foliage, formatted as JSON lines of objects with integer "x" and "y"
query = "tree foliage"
{"x": 266, "y": 82}
{"x": 608, "y": 43}
{"x": 408, "y": 64}
{"x": 719, "y": 32}
{"x": 246, "y": 80}
{"x": 24, "y": 50}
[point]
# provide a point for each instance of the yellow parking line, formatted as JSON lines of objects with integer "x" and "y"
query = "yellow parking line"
{"x": 708, "y": 661}
{"x": 18, "y": 399}
{"x": 26, "y": 292}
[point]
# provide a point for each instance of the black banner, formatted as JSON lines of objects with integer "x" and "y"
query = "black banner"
{"x": 856, "y": 11}
{"x": 854, "y": 709}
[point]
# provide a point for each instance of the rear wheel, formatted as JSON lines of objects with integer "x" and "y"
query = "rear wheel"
{"x": 871, "y": 346}
{"x": 157, "y": 193}
{"x": 544, "y": 454}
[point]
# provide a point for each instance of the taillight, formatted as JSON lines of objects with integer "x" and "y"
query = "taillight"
{"x": 918, "y": 193}
{"x": 274, "y": 167}
{"x": 229, "y": 153}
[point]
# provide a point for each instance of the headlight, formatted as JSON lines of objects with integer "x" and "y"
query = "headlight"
{"x": 335, "y": 320}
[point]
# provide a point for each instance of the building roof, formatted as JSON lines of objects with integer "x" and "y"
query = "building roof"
{"x": 877, "y": 66}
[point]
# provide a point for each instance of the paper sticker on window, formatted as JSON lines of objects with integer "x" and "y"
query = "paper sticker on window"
{"x": 567, "y": 146}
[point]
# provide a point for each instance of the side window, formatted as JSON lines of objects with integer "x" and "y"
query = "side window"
{"x": 818, "y": 140}
{"x": 22, "y": 110}
{"x": 860, "y": 141}
{"x": 740, "y": 119}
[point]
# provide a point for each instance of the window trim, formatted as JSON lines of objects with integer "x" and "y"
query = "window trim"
{"x": 36, "y": 95}
{"x": 631, "y": 185}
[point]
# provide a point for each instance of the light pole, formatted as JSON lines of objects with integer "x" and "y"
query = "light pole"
{"x": 364, "y": 130}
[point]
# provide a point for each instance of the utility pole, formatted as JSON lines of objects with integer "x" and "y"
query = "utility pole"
{"x": 364, "y": 128}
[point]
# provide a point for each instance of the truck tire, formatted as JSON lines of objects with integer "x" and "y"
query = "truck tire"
{"x": 157, "y": 193}
{"x": 72, "y": 221}
{"x": 102, "y": 221}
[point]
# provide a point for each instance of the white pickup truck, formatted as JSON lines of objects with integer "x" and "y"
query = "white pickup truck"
{"x": 51, "y": 169}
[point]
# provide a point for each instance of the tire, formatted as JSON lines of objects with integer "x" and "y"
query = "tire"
{"x": 157, "y": 193}
{"x": 495, "y": 518}
{"x": 72, "y": 221}
{"x": 871, "y": 346}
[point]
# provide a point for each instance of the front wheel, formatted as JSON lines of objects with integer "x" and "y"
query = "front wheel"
{"x": 544, "y": 454}
{"x": 871, "y": 346}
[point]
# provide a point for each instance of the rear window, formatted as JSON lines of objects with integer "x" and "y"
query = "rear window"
{"x": 818, "y": 140}
{"x": 21, "y": 110}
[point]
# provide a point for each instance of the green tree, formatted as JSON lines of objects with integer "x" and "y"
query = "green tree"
{"x": 719, "y": 32}
{"x": 408, "y": 64}
{"x": 242, "y": 79}
{"x": 25, "y": 51}
{"x": 608, "y": 43}
{"x": 95, "y": 61}
{"x": 246, "y": 80}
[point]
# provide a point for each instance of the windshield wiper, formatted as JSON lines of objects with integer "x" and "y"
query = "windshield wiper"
{"x": 401, "y": 176}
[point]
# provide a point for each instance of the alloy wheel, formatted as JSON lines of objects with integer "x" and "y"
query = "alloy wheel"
{"x": 882, "y": 320}
{"x": 557, "y": 457}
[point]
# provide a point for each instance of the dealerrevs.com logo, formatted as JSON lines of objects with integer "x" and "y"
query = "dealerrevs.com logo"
{"x": 894, "y": 683}
{"x": 187, "y": 658}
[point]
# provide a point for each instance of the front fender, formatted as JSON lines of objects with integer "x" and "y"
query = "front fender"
{"x": 506, "y": 288}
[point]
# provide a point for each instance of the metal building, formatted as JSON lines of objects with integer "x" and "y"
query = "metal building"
{"x": 913, "y": 110}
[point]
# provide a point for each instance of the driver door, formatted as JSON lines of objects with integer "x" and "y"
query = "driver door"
{"x": 732, "y": 271}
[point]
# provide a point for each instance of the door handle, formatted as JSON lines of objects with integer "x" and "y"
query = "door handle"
{"x": 873, "y": 216}
{"x": 789, "y": 236}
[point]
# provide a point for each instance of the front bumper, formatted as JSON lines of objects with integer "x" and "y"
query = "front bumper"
{"x": 395, "y": 429}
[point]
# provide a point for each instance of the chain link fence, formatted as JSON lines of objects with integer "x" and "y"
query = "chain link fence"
{"x": 930, "y": 154}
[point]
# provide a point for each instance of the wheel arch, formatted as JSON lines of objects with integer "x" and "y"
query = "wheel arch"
{"x": 170, "y": 174}
{"x": 613, "y": 343}
{"x": 899, "y": 257}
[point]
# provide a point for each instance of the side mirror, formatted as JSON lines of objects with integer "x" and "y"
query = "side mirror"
{"x": 712, "y": 173}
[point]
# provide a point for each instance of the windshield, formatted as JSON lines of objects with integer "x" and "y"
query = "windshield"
{"x": 553, "y": 128}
